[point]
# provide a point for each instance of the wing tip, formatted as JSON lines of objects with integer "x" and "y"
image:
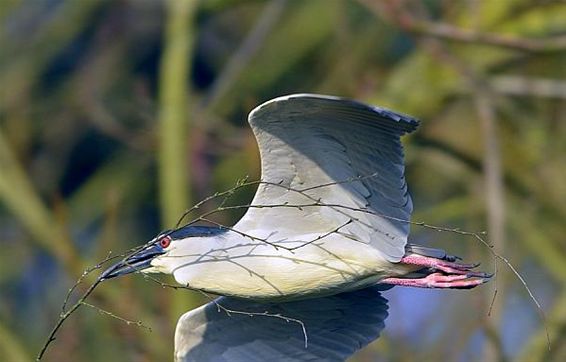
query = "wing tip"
{"x": 408, "y": 124}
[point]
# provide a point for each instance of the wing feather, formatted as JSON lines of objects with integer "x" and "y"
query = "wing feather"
{"x": 307, "y": 141}
{"x": 337, "y": 326}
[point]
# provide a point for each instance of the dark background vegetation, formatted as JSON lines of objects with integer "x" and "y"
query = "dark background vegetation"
{"x": 115, "y": 116}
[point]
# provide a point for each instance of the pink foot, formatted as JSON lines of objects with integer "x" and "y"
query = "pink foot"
{"x": 438, "y": 280}
{"x": 444, "y": 266}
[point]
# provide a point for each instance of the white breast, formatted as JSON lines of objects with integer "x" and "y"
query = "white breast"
{"x": 260, "y": 271}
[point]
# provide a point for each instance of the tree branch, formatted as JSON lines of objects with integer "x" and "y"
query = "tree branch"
{"x": 313, "y": 202}
{"x": 406, "y": 21}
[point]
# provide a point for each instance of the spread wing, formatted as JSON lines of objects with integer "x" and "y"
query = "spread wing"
{"x": 341, "y": 157}
{"x": 336, "y": 327}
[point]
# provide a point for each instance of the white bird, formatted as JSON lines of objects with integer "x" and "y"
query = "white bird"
{"x": 331, "y": 215}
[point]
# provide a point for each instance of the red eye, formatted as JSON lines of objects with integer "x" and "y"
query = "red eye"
{"x": 165, "y": 241}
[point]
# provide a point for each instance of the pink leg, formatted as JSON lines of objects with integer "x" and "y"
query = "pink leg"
{"x": 438, "y": 280}
{"x": 444, "y": 266}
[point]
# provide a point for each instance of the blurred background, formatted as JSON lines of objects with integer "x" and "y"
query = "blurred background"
{"x": 115, "y": 116}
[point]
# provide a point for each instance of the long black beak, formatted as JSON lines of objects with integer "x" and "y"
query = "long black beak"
{"x": 136, "y": 262}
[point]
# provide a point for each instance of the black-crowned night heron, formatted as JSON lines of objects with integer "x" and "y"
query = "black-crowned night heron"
{"x": 329, "y": 222}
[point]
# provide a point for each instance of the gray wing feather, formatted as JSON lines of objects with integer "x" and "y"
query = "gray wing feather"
{"x": 309, "y": 140}
{"x": 337, "y": 326}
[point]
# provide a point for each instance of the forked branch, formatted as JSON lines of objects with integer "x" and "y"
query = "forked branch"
{"x": 225, "y": 195}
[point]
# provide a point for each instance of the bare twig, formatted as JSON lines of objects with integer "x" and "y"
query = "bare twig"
{"x": 341, "y": 208}
{"x": 476, "y": 235}
{"x": 312, "y": 202}
{"x": 127, "y": 321}
{"x": 226, "y": 194}
{"x": 529, "y": 86}
{"x": 477, "y": 83}
{"x": 262, "y": 314}
{"x": 63, "y": 317}
{"x": 395, "y": 12}
{"x": 83, "y": 276}
{"x": 408, "y": 22}
{"x": 65, "y": 314}
{"x": 229, "y": 311}
{"x": 450, "y": 32}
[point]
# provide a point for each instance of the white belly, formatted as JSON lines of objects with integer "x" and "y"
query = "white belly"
{"x": 262, "y": 272}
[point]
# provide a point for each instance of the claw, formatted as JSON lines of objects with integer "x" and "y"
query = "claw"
{"x": 452, "y": 258}
{"x": 483, "y": 275}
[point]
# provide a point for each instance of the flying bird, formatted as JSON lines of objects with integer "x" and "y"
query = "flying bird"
{"x": 329, "y": 222}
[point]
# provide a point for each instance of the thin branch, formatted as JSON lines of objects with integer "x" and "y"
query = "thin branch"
{"x": 263, "y": 314}
{"x": 64, "y": 315}
{"x": 476, "y": 235}
{"x": 229, "y": 311}
{"x": 396, "y": 12}
{"x": 408, "y": 22}
{"x": 322, "y": 236}
{"x": 226, "y": 194}
{"x": 80, "y": 280}
{"x": 340, "y": 208}
{"x": 453, "y": 33}
{"x": 529, "y": 86}
{"x": 313, "y": 202}
{"x": 479, "y": 86}
{"x": 127, "y": 321}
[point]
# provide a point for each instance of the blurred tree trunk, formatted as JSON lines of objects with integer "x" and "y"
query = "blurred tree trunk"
{"x": 174, "y": 155}
{"x": 495, "y": 215}
{"x": 174, "y": 186}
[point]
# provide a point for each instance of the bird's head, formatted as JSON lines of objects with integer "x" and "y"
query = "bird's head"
{"x": 164, "y": 253}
